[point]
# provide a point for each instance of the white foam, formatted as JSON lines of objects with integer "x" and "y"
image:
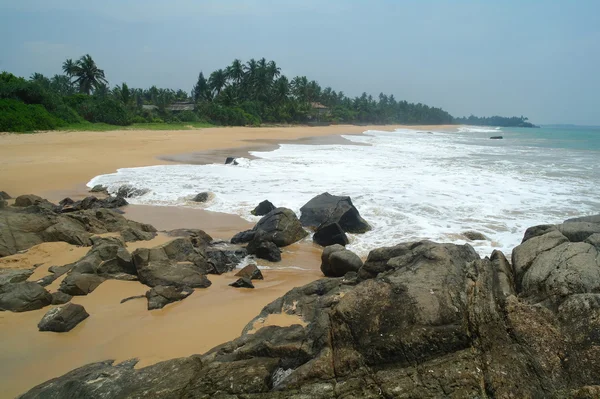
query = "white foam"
{"x": 407, "y": 184}
{"x": 478, "y": 129}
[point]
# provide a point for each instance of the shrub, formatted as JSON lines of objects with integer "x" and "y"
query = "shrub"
{"x": 187, "y": 116}
{"x": 138, "y": 119}
{"x": 16, "y": 116}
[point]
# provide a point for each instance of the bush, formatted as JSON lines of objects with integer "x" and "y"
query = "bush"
{"x": 100, "y": 109}
{"x": 187, "y": 116}
{"x": 157, "y": 120}
{"x": 15, "y": 116}
{"x": 138, "y": 119}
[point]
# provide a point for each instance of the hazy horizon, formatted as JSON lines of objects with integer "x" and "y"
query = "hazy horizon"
{"x": 538, "y": 59}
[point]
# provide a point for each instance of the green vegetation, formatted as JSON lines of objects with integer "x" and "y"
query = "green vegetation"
{"x": 242, "y": 94}
{"x": 495, "y": 121}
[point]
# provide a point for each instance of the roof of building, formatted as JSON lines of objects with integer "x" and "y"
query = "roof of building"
{"x": 181, "y": 107}
{"x": 149, "y": 107}
{"x": 318, "y": 106}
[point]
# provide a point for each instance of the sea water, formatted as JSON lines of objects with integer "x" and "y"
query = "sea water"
{"x": 408, "y": 184}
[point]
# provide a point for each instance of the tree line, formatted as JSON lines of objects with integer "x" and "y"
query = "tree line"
{"x": 243, "y": 93}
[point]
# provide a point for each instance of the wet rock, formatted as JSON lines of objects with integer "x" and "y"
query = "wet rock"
{"x": 225, "y": 257}
{"x": 281, "y": 227}
{"x": 63, "y": 318}
{"x": 160, "y": 296}
{"x": 67, "y": 205}
{"x": 128, "y": 191}
{"x": 230, "y": 161}
{"x": 330, "y": 234}
{"x": 23, "y": 296}
{"x": 263, "y": 208}
{"x": 199, "y": 238}
{"x": 99, "y": 188}
{"x": 496, "y": 137}
{"x": 264, "y": 250}
{"x": 474, "y": 236}
{"x": 242, "y": 283}
{"x": 201, "y": 197}
{"x": 8, "y": 276}
{"x": 243, "y": 237}
{"x": 59, "y": 298}
{"x": 588, "y": 219}
{"x": 4, "y": 195}
{"x": 80, "y": 284}
{"x": 129, "y": 298}
{"x": 536, "y": 231}
{"x": 250, "y": 272}
{"x": 326, "y": 209}
{"x": 28, "y": 200}
{"x": 578, "y": 231}
{"x": 336, "y": 261}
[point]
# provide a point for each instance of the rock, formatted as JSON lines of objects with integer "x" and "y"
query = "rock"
{"x": 230, "y": 160}
{"x": 329, "y": 235}
{"x": 250, "y": 272}
{"x": 28, "y": 200}
{"x": 10, "y": 276}
{"x": 524, "y": 254}
{"x": 128, "y": 191}
{"x": 474, "y": 236}
{"x": 68, "y": 205}
{"x": 594, "y": 240}
{"x": 160, "y": 296}
{"x": 242, "y": 283}
{"x": 129, "y": 298}
{"x": 198, "y": 237}
{"x": 80, "y": 284}
{"x": 336, "y": 261}
{"x": 326, "y": 208}
{"x": 536, "y": 231}
{"x": 58, "y": 298}
{"x": 281, "y": 227}
{"x": 264, "y": 250}
{"x": 63, "y": 318}
{"x": 578, "y": 231}
{"x": 23, "y": 296}
{"x": 225, "y": 257}
{"x": 202, "y": 197}
{"x": 263, "y": 208}
{"x": 588, "y": 219}
{"x": 3, "y": 204}
{"x": 496, "y": 137}
{"x": 243, "y": 237}
{"x": 99, "y": 188}
{"x": 4, "y": 195}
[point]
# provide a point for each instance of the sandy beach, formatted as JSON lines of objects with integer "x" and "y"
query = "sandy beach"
{"x": 58, "y": 164}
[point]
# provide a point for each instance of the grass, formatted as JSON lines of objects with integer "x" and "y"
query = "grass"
{"x": 104, "y": 127}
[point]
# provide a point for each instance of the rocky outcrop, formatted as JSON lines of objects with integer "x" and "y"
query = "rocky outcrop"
{"x": 474, "y": 235}
{"x": 262, "y": 248}
{"x": 28, "y": 200}
{"x": 63, "y": 318}
{"x": 129, "y": 191}
{"x": 263, "y": 208}
{"x": 243, "y": 237}
{"x": 330, "y": 234}
{"x": 80, "y": 284}
{"x": 251, "y": 272}
{"x": 8, "y": 276}
{"x": 201, "y": 197}
{"x": 99, "y": 188}
{"x": 4, "y": 195}
{"x": 281, "y": 227}
{"x": 336, "y": 261}
{"x": 225, "y": 257}
{"x": 421, "y": 320}
{"x": 59, "y": 298}
{"x": 23, "y": 296}
{"x": 22, "y": 228}
{"x": 68, "y": 205}
{"x": 242, "y": 282}
{"x": 160, "y": 296}
{"x": 198, "y": 237}
{"x": 325, "y": 209}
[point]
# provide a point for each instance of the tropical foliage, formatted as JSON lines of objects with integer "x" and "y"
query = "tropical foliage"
{"x": 244, "y": 93}
{"x": 514, "y": 121}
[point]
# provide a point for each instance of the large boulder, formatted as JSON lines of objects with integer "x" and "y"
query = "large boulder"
{"x": 160, "y": 296}
{"x": 4, "y": 195}
{"x": 336, "y": 261}
{"x": 199, "y": 238}
{"x": 243, "y": 237}
{"x": 76, "y": 284}
{"x": 63, "y": 318}
{"x": 23, "y": 296}
{"x": 330, "y": 234}
{"x": 326, "y": 209}
{"x": 59, "y": 298}
{"x": 108, "y": 258}
{"x": 8, "y": 276}
{"x": 225, "y": 257}
{"x": 281, "y": 227}
{"x": 264, "y": 249}
{"x": 263, "y": 208}
{"x": 28, "y": 200}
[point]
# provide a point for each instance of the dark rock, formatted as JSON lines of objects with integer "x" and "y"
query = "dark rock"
{"x": 99, "y": 188}
{"x": 281, "y": 227}
{"x": 330, "y": 234}
{"x": 63, "y": 318}
{"x": 23, "y": 297}
{"x": 128, "y": 191}
{"x": 524, "y": 255}
{"x": 4, "y": 195}
{"x": 336, "y": 261}
{"x": 80, "y": 284}
{"x": 129, "y": 298}
{"x": 578, "y": 231}
{"x": 198, "y": 237}
{"x": 264, "y": 250}
{"x": 536, "y": 231}
{"x": 58, "y": 298}
{"x": 250, "y": 272}
{"x": 68, "y": 205}
{"x": 230, "y": 160}
{"x": 326, "y": 209}
{"x": 263, "y": 208}
{"x": 11, "y": 276}
{"x": 202, "y": 197}
{"x": 243, "y": 237}
{"x": 496, "y": 137}
{"x": 474, "y": 236}
{"x": 225, "y": 257}
{"x": 242, "y": 283}
{"x": 160, "y": 296}
{"x": 28, "y": 200}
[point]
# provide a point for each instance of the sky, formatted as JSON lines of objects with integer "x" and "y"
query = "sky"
{"x": 540, "y": 58}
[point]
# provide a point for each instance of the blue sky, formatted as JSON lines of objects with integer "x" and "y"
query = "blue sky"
{"x": 536, "y": 58}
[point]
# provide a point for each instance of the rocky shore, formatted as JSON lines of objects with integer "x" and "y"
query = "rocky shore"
{"x": 417, "y": 320}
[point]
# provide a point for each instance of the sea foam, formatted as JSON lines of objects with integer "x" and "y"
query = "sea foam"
{"x": 408, "y": 185}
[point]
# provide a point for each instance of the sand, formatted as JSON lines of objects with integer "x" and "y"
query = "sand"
{"x": 58, "y": 164}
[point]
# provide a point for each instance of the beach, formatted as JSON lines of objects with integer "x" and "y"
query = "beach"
{"x": 55, "y": 165}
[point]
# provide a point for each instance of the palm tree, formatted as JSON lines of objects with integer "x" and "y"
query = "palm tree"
{"x": 86, "y": 74}
{"x": 217, "y": 80}
{"x": 41, "y": 80}
{"x": 273, "y": 70}
{"x": 235, "y": 71}
{"x": 62, "y": 85}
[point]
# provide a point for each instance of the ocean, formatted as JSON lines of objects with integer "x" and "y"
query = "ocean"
{"x": 408, "y": 184}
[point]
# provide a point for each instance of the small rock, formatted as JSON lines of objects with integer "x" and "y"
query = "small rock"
{"x": 201, "y": 197}
{"x": 496, "y": 137}
{"x": 28, "y": 200}
{"x": 80, "y": 284}
{"x": 242, "y": 283}
{"x": 4, "y": 195}
{"x": 336, "y": 261}
{"x": 330, "y": 234}
{"x": 263, "y": 208}
{"x": 160, "y": 296}
{"x": 58, "y": 298}
{"x": 230, "y": 160}
{"x": 99, "y": 188}
{"x": 264, "y": 250}
{"x": 250, "y": 272}
{"x": 128, "y": 191}
{"x": 474, "y": 236}
{"x": 63, "y": 318}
